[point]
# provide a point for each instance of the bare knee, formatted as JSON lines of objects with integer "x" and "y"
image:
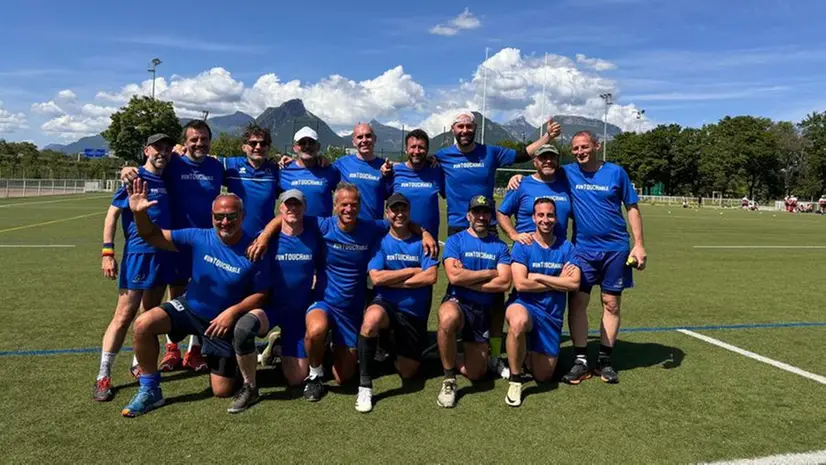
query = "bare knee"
{"x": 316, "y": 327}
{"x": 449, "y": 319}
{"x": 611, "y": 304}
{"x": 518, "y": 321}
{"x": 222, "y": 387}
{"x": 372, "y": 321}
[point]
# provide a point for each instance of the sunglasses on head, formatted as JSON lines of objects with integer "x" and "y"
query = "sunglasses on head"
{"x": 230, "y": 216}
{"x": 253, "y": 143}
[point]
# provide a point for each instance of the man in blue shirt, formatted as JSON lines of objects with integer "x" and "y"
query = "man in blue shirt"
{"x": 477, "y": 264}
{"x": 548, "y": 182}
{"x": 297, "y": 257}
{"x": 544, "y": 271}
{"x": 419, "y": 182}
{"x": 222, "y": 302}
{"x": 364, "y": 170}
{"x": 403, "y": 276}
{"x": 306, "y": 174}
{"x": 254, "y": 178}
{"x": 143, "y": 271}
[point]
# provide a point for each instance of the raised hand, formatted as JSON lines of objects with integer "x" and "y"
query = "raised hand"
{"x": 554, "y": 129}
{"x": 387, "y": 167}
{"x": 138, "y": 202}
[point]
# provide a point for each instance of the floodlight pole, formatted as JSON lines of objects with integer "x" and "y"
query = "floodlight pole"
{"x": 606, "y": 97}
{"x": 544, "y": 83}
{"x": 484, "y": 91}
{"x": 153, "y": 66}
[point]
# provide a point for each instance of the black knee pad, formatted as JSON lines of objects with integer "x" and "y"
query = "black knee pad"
{"x": 246, "y": 329}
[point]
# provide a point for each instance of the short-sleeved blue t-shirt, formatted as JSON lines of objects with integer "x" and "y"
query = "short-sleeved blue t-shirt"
{"x": 520, "y": 201}
{"x": 158, "y": 213}
{"x": 597, "y": 199}
{"x": 366, "y": 176}
{"x": 475, "y": 254}
{"x": 347, "y": 254}
{"x": 222, "y": 275}
{"x": 192, "y": 188}
{"x": 316, "y": 183}
{"x": 548, "y": 261}
{"x": 422, "y": 188}
{"x": 295, "y": 261}
{"x": 257, "y": 188}
{"x": 397, "y": 254}
{"x": 469, "y": 174}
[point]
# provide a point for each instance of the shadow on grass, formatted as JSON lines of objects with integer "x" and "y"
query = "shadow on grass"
{"x": 476, "y": 387}
{"x": 205, "y": 393}
{"x": 626, "y": 355}
{"x": 165, "y": 378}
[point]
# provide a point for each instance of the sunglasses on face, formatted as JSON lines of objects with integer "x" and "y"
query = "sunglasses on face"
{"x": 221, "y": 216}
{"x": 253, "y": 143}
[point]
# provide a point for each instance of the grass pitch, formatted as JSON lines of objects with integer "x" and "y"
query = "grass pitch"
{"x": 680, "y": 399}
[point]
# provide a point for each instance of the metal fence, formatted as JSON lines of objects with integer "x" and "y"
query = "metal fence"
{"x": 44, "y": 187}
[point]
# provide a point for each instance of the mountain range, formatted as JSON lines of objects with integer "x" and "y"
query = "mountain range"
{"x": 283, "y": 121}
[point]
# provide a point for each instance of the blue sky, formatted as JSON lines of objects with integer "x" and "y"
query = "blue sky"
{"x": 67, "y": 65}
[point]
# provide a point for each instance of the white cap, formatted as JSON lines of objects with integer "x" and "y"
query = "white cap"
{"x": 305, "y": 132}
{"x": 464, "y": 116}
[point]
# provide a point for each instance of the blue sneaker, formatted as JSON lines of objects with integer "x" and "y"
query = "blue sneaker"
{"x": 145, "y": 400}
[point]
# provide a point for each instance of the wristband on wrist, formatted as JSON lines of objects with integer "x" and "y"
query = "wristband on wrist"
{"x": 108, "y": 249}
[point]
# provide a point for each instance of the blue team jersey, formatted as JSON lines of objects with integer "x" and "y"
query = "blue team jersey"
{"x": 257, "y": 187}
{"x": 422, "y": 188}
{"x": 294, "y": 262}
{"x": 398, "y": 254}
{"x": 469, "y": 174}
{"x": 192, "y": 188}
{"x": 519, "y": 202}
{"x": 366, "y": 176}
{"x": 344, "y": 280}
{"x": 158, "y": 213}
{"x": 597, "y": 200}
{"x": 222, "y": 275}
{"x": 316, "y": 183}
{"x": 475, "y": 254}
{"x": 548, "y": 261}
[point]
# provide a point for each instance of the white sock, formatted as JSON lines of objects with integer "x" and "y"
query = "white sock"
{"x": 194, "y": 341}
{"x": 317, "y": 372}
{"x": 134, "y": 360}
{"x": 107, "y": 359}
{"x": 168, "y": 341}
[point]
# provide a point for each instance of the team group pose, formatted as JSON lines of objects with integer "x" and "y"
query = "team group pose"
{"x": 342, "y": 257}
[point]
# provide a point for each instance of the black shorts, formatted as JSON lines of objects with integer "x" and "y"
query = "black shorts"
{"x": 476, "y": 327}
{"x": 451, "y": 230}
{"x": 219, "y": 353}
{"x": 408, "y": 333}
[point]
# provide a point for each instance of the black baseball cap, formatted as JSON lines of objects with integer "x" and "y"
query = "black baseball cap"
{"x": 155, "y": 138}
{"x": 480, "y": 201}
{"x": 397, "y": 198}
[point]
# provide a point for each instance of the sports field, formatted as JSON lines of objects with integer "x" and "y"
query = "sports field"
{"x": 681, "y": 399}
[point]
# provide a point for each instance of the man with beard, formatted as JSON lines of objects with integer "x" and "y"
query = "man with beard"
{"x": 470, "y": 169}
{"x": 419, "y": 182}
{"x": 598, "y": 191}
{"x": 544, "y": 271}
{"x": 307, "y": 175}
{"x": 364, "y": 170}
{"x": 477, "y": 264}
{"x": 549, "y": 183}
{"x": 349, "y": 243}
{"x": 254, "y": 178}
{"x": 404, "y": 276}
{"x": 144, "y": 269}
{"x": 225, "y": 295}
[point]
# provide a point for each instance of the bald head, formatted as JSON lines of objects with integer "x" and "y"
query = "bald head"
{"x": 364, "y": 140}
{"x": 228, "y": 202}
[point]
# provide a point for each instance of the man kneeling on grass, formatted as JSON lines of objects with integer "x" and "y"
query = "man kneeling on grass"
{"x": 222, "y": 302}
{"x": 543, "y": 273}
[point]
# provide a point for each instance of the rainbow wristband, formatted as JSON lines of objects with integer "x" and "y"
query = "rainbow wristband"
{"x": 108, "y": 249}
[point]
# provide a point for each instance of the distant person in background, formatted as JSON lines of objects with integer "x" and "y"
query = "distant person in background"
{"x": 306, "y": 174}
{"x": 744, "y": 203}
{"x": 144, "y": 270}
{"x": 821, "y": 204}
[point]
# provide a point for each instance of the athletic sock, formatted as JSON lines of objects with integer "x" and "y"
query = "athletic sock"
{"x": 194, "y": 341}
{"x": 495, "y": 346}
{"x": 605, "y": 353}
{"x": 367, "y": 354}
{"x": 151, "y": 380}
{"x": 581, "y": 355}
{"x": 450, "y": 373}
{"x": 169, "y": 341}
{"x": 134, "y": 360}
{"x": 316, "y": 372}
{"x": 515, "y": 377}
{"x": 107, "y": 359}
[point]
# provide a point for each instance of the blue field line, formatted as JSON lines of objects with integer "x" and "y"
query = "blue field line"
{"x": 654, "y": 329}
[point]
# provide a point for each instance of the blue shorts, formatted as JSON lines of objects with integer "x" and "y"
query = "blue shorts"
{"x": 180, "y": 268}
{"x": 186, "y": 322}
{"x": 293, "y": 326}
{"x": 476, "y": 327}
{"x": 344, "y": 324}
{"x": 607, "y": 269}
{"x": 141, "y": 271}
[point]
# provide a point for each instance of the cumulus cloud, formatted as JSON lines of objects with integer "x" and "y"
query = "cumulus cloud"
{"x": 11, "y": 122}
{"x": 597, "y": 64}
{"x": 75, "y": 126}
{"x": 67, "y": 95}
{"x": 49, "y": 108}
{"x": 464, "y": 21}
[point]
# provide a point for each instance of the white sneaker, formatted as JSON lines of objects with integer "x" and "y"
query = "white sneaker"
{"x": 447, "y": 394}
{"x": 514, "y": 397}
{"x": 498, "y": 366}
{"x": 269, "y": 356}
{"x": 364, "y": 401}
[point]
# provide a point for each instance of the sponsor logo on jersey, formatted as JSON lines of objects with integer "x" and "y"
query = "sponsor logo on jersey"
{"x": 350, "y": 247}
{"x": 547, "y": 265}
{"x": 416, "y": 185}
{"x": 307, "y": 182}
{"x": 402, "y": 257}
{"x": 555, "y": 198}
{"x": 293, "y": 257}
{"x": 195, "y": 177}
{"x": 224, "y": 266}
{"x": 480, "y": 254}
{"x": 591, "y": 187}
{"x": 470, "y": 164}
{"x": 367, "y": 176}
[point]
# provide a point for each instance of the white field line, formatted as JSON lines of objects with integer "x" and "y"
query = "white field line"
{"x": 54, "y": 201}
{"x": 36, "y": 246}
{"x": 760, "y": 246}
{"x": 758, "y": 357}
{"x": 805, "y": 458}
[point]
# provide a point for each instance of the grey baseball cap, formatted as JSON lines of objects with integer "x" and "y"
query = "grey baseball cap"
{"x": 547, "y": 149}
{"x": 155, "y": 138}
{"x": 292, "y": 194}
